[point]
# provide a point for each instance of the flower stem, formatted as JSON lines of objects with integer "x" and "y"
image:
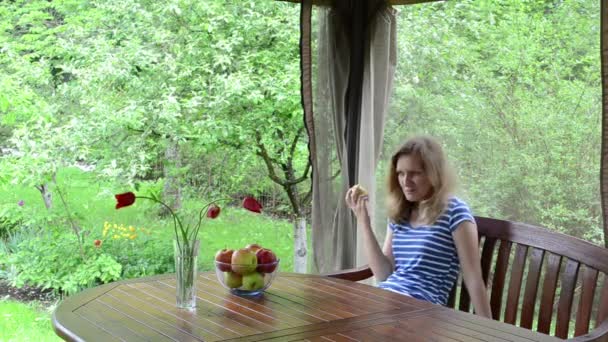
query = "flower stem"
{"x": 176, "y": 221}
{"x": 73, "y": 225}
{"x": 200, "y": 215}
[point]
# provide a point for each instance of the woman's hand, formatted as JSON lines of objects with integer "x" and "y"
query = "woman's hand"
{"x": 357, "y": 202}
{"x": 381, "y": 261}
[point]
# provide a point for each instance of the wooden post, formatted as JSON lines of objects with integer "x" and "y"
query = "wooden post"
{"x": 604, "y": 148}
{"x": 300, "y": 247}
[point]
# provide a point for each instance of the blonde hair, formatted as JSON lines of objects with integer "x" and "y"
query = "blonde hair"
{"x": 436, "y": 168}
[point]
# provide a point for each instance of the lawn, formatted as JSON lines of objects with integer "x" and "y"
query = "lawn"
{"x": 25, "y": 322}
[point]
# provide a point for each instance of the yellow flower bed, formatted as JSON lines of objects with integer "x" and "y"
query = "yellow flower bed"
{"x": 120, "y": 231}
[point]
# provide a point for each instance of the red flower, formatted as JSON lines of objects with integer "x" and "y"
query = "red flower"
{"x": 97, "y": 243}
{"x": 124, "y": 200}
{"x": 213, "y": 211}
{"x": 251, "y": 204}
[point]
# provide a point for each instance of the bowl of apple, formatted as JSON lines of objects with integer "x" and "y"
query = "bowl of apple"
{"x": 246, "y": 271}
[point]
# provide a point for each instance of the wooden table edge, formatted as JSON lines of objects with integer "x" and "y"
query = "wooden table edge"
{"x": 65, "y": 310}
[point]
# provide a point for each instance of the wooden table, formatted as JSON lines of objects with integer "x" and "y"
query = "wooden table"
{"x": 296, "y": 307}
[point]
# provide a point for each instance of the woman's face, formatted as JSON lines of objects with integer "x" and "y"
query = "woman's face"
{"x": 414, "y": 182}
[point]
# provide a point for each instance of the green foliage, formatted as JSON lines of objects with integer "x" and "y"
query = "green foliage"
{"x": 100, "y": 269}
{"x": 513, "y": 90}
{"x": 11, "y": 218}
{"x": 135, "y": 242}
{"x": 31, "y": 216}
{"x": 52, "y": 260}
{"x": 148, "y": 259}
{"x": 115, "y": 91}
{"x": 141, "y": 251}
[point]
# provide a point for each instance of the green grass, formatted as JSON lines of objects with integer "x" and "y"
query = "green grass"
{"x": 25, "y": 322}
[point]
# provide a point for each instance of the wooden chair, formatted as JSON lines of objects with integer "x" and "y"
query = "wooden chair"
{"x": 574, "y": 274}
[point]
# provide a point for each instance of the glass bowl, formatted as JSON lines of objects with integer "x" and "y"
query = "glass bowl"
{"x": 243, "y": 279}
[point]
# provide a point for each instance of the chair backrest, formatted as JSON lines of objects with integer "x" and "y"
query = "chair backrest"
{"x": 537, "y": 275}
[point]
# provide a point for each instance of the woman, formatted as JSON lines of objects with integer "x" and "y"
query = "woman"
{"x": 431, "y": 234}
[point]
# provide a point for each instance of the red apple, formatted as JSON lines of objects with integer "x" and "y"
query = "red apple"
{"x": 244, "y": 261}
{"x": 254, "y": 247}
{"x": 225, "y": 257}
{"x": 267, "y": 260}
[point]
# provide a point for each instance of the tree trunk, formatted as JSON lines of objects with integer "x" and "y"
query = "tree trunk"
{"x": 292, "y": 191}
{"x": 300, "y": 250}
{"x": 47, "y": 196}
{"x": 45, "y": 191}
{"x": 172, "y": 192}
{"x": 290, "y": 185}
{"x": 300, "y": 246}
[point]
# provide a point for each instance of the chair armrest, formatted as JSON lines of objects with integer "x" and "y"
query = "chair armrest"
{"x": 599, "y": 334}
{"x": 352, "y": 274}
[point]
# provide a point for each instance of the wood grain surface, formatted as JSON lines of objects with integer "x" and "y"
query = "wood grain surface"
{"x": 295, "y": 307}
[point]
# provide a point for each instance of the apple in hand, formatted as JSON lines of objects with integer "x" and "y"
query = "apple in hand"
{"x": 244, "y": 261}
{"x": 254, "y": 247}
{"x": 358, "y": 191}
{"x": 225, "y": 257}
{"x": 253, "y": 281}
{"x": 233, "y": 280}
{"x": 266, "y": 260}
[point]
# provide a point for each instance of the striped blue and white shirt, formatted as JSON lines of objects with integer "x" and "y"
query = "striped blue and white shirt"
{"x": 426, "y": 262}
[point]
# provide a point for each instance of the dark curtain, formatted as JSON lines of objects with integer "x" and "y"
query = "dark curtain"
{"x": 353, "y": 72}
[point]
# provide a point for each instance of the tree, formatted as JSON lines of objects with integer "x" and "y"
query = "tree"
{"x": 132, "y": 85}
{"x": 513, "y": 89}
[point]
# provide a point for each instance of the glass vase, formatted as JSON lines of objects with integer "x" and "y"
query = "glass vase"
{"x": 186, "y": 255}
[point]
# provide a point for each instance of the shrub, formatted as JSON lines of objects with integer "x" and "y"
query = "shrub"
{"x": 12, "y": 217}
{"x": 59, "y": 266}
{"x": 139, "y": 250}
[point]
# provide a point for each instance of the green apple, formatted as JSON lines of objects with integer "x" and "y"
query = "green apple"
{"x": 233, "y": 280}
{"x": 244, "y": 261}
{"x": 253, "y": 281}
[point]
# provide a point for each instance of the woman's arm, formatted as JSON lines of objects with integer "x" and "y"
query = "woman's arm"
{"x": 383, "y": 262}
{"x": 465, "y": 238}
{"x": 380, "y": 261}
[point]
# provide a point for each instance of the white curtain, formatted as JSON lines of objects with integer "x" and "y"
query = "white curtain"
{"x": 334, "y": 233}
{"x": 377, "y": 84}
